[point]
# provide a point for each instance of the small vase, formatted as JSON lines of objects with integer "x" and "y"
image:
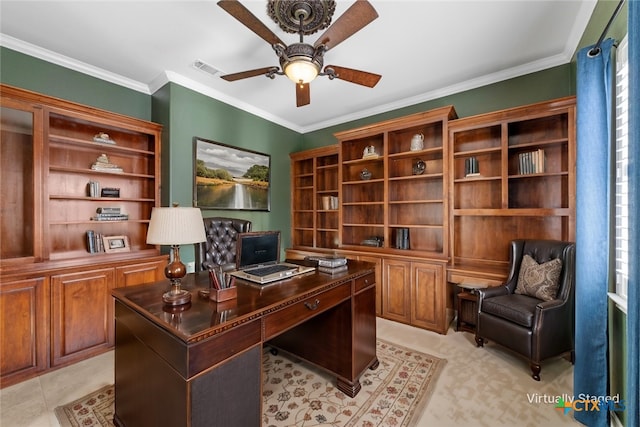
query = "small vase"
{"x": 365, "y": 174}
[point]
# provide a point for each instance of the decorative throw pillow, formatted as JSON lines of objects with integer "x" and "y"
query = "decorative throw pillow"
{"x": 539, "y": 280}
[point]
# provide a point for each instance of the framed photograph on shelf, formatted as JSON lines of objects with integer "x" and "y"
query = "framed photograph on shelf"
{"x": 116, "y": 244}
{"x": 230, "y": 178}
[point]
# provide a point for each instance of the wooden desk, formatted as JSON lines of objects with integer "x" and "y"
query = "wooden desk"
{"x": 201, "y": 364}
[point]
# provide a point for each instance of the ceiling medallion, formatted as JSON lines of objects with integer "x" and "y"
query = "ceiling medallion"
{"x": 316, "y": 14}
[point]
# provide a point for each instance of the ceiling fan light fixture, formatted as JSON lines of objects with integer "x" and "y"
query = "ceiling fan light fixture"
{"x": 301, "y": 69}
{"x": 301, "y": 62}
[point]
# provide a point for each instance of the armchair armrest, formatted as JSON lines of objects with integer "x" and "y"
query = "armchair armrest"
{"x": 548, "y": 305}
{"x": 555, "y": 317}
{"x": 493, "y": 291}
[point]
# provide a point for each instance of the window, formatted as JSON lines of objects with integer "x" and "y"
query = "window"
{"x": 622, "y": 176}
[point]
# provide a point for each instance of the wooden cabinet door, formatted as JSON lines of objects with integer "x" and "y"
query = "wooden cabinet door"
{"x": 24, "y": 313}
{"x": 82, "y": 314}
{"x": 396, "y": 290}
{"x": 427, "y": 296}
{"x": 137, "y": 274}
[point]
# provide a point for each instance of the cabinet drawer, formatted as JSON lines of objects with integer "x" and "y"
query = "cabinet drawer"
{"x": 365, "y": 282}
{"x": 281, "y": 320}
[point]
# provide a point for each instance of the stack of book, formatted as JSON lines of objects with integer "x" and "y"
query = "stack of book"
{"x": 110, "y": 214}
{"x": 531, "y": 162}
{"x": 103, "y": 164}
{"x": 94, "y": 242}
{"x": 329, "y": 264}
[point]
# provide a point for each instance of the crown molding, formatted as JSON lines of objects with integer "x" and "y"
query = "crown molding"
{"x": 488, "y": 79}
{"x": 73, "y": 64}
{"x": 170, "y": 76}
{"x": 580, "y": 24}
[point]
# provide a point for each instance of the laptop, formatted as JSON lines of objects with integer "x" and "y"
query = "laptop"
{"x": 258, "y": 258}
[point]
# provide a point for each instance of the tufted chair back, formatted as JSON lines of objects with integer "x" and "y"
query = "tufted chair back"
{"x": 220, "y": 247}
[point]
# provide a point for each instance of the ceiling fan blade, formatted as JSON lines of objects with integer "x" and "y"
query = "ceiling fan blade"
{"x": 246, "y": 74}
{"x": 242, "y": 14}
{"x": 363, "y": 78}
{"x": 359, "y": 15}
{"x": 303, "y": 94}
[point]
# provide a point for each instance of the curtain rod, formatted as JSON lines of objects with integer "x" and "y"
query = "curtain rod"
{"x": 596, "y": 49}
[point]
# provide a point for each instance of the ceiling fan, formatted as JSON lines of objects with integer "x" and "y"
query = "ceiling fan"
{"x": 302, "y": 62}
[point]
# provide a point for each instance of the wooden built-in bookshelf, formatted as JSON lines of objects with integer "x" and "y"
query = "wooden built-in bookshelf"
{"x": 55, "y": 293}
{"x": 503, "y": 203}
{"x": 460, "y": 221}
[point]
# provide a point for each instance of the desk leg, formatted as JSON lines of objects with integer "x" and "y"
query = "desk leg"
{"x": 352, "y": 388}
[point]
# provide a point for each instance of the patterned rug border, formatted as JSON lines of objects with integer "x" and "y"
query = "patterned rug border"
{"x": 64, "y": 413}
{"x": 424, "y": 399}
{"x": 95, "y": 400}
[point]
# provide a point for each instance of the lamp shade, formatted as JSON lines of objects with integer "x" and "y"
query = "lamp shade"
{"x": 175, "y": 226}
{"x": 301, "y": 70}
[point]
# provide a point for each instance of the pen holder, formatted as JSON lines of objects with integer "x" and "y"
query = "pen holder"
{"x": 225, "y": 294}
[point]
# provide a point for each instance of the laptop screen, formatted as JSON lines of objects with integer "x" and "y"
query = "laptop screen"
{"x": 257, "y": 248}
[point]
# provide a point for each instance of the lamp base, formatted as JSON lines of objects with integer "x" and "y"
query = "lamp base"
{"x": 175, "y": 271}
{"x": 176, "y": 297}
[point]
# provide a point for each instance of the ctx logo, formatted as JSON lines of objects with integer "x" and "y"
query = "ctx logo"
{"x": 589, "y": 405}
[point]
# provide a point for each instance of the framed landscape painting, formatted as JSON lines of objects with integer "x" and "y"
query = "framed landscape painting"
{"x": 230, "y": 178}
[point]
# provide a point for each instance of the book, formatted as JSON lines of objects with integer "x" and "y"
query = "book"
{"x": 531, "y": 162}
{"x": 110, "y": 217}
{"x": 333, "y": 270}
{"x": 328, "y": 261}
{"x": 471, "y": 167}
{"x": 108, "y": 210}
{"x": 91, "y": 242}
{"x": 94, "y": 242}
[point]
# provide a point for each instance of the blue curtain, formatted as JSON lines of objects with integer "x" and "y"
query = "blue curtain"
{"x": 633, "y": 296}
{"x": 593, "y": 172}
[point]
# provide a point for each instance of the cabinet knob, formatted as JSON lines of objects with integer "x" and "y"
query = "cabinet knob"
{"x": 312, "y": 306}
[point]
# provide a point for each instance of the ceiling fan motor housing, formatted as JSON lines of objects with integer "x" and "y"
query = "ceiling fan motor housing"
{"x": 315, "y": 14}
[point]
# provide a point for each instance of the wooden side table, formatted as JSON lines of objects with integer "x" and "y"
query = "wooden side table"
{"x": 467, "y": 306}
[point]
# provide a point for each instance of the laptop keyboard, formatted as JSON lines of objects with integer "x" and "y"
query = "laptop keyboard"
{"x": 270, "y": 269}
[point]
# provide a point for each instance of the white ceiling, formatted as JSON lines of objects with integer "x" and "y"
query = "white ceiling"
{"x": 422, "y": 49}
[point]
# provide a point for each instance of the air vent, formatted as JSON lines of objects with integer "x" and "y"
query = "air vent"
{"x": 203, "y": 66}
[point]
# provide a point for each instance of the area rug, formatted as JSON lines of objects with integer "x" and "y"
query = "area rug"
{"x": 298, "y": 395}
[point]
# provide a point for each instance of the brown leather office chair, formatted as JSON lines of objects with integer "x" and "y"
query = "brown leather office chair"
{"x": 220, "y": 247}
{"x": 534, "y": 321}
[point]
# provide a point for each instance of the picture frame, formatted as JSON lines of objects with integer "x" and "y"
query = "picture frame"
{"x": 116, "y": 244}
{"x": 230, "y": 178}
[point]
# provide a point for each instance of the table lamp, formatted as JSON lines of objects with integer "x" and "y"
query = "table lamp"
{"x": 175, "y": 226}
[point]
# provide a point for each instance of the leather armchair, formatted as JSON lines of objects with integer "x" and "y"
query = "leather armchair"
{"x": 220, "y": 247}
{"x": 532, "y": 327}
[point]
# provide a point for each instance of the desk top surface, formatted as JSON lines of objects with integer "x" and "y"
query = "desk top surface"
{"x": 203, "y": 317}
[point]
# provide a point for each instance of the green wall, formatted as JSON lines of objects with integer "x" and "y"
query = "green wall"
{"x": 27, "y": 72}
{"x": 541, "y": 86}
{"x": 187, "y": 114}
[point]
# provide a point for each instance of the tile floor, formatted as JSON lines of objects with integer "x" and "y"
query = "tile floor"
{"x": 478, "y": 386}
